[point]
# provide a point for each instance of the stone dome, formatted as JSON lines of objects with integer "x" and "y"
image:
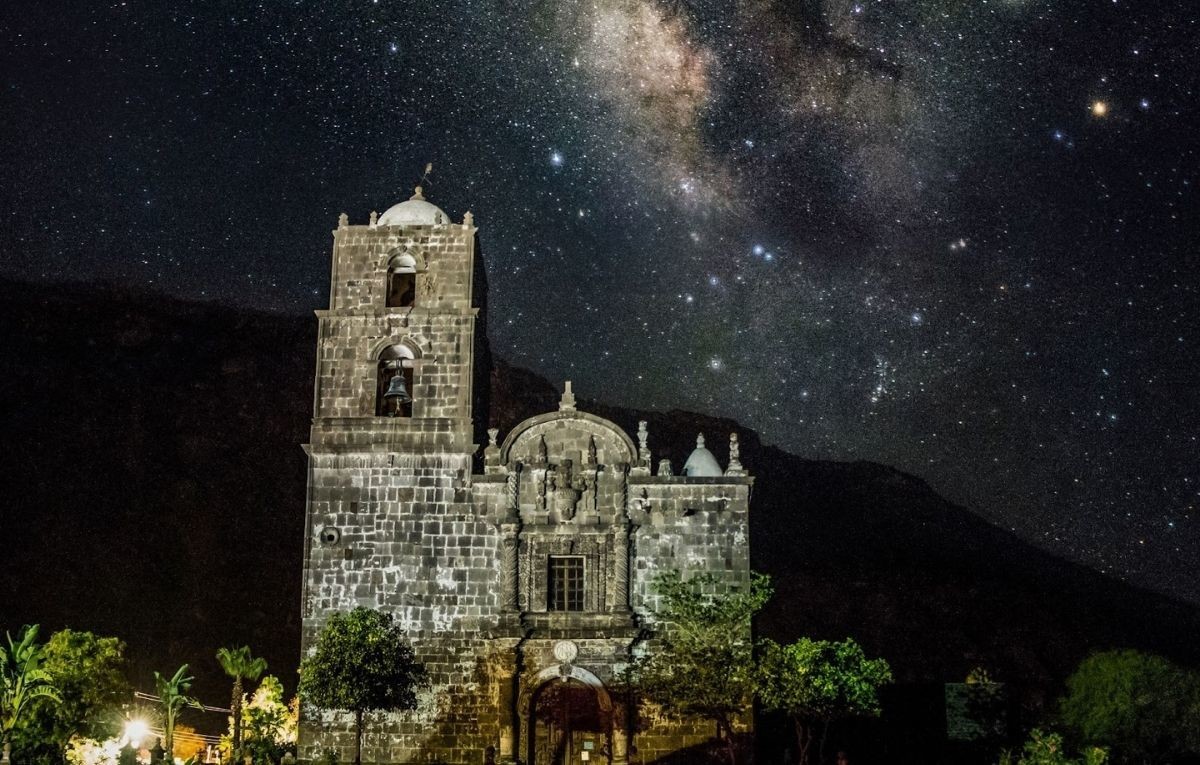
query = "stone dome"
{"x": 702, "y": 463}
{"x": 414, "y": 212}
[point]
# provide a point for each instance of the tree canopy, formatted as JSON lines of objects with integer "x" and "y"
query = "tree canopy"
{"x": 362, "y": 663}
{"x": 702, "y": 662}
{"x": 1047, "y": 748}
{"x": 89, "y": 673}
{"x": 23, "y": 681}
{"x": 1144, "y": 707}
{"x": 819, "y": 681}
{"x": 172, "y": 694}
{"x": 241, "y": 665}
{"x": 268, "y": 723}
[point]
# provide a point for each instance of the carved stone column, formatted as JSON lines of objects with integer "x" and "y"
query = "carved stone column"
{"x": 621, "y": 566}
{"x": 510, "y": 529}
{"x": 509, "y": 595}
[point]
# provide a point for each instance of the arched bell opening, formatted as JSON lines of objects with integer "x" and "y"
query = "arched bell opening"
{"x": 394, "y": 382}
{"x": 570, "y": 721}
{"x": 401, "y": 281}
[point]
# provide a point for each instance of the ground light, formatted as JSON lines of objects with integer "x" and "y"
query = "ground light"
{"x": 136, "y": 731}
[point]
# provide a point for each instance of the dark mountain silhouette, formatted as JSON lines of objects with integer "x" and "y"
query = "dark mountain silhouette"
{"x": 154, "y": 489}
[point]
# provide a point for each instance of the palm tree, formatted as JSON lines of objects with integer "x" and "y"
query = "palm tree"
{"x": 239, "y": 664}
{"x": 21, "y": 681}
{"x": 172, "y": 693}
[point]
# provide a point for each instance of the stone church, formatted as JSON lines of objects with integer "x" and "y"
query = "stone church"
{"x": 521, "y": 566}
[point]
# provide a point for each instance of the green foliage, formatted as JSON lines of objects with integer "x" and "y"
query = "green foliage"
{"x": 979, "y": 676}
{"x": 89, "y": 673}
{"x": 268, "y": 722}
{"x": 239, "y": 664}
{"x": 1046, "y": 748}
{"x": 362, "y": 663}
{"x": 23, "y": 681}
{"x": 172, "y": 693}
{"x": 88, "y": 751}
{"x": 819, "y": 681}
{"x": 703, "y": 662}
{"x": 1143, "y": 706}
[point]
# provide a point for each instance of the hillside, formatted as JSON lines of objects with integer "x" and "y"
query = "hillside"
{"x": 154, "y": 489}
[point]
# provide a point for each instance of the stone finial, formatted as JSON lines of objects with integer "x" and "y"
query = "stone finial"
{"x": 735, "y": 453}
{"x": 699, "y": 440}
{"x": 642, "y": 467}
{"x": 567, "y": 402}
{"x": 417, "y": 193}
{"x": 491, "y": 452}
{"x": 343, "y": 220}
{"x": 664, "y": 468}
{"x": 468, "y": 220}
{"x": 374, "y": 218}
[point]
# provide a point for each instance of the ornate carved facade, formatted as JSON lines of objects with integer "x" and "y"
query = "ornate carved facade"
{"x": 525, "y": 589}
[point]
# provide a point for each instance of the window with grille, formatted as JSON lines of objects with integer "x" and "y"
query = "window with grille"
{"x": 566, "y": 583}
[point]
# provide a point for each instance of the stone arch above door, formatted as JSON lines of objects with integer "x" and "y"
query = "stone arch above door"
{"x": 616, "y": 754}
{"x": 565, "y": 672}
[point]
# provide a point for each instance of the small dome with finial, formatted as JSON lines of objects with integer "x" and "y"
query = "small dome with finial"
{"x": 414, "y": 212}
{"x": 702, "y": 463}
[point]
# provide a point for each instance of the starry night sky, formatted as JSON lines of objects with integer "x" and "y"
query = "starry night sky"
{"x": 955, "y": 236}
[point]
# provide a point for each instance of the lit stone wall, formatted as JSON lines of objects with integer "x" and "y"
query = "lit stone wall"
{"x": 392, "y": 522}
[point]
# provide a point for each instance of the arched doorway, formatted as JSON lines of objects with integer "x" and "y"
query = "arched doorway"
{"x": 570, "y": 721}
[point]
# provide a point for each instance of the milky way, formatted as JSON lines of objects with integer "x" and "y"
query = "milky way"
{"x": 954, "y": 236}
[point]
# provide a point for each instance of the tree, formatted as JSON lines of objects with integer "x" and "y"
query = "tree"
{"x": 362, "y": 663}
{"x": 240, "y": 665}
{"x": 89, "y": 673}
{"x": 819, "y": 681}
{"x": 1046, "y": 748}
{"x": 1145, "y": 707}
{"x": 22, "y": 682}
{"x": 702, "y": 662}
{"x": 268, "y": 722}
{"x": 172, "y": 694}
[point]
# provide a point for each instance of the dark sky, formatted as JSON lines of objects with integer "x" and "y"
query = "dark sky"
{"x": 955, "y": 236}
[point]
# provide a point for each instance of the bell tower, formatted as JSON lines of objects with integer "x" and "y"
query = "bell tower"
{"x": 396, "y": 348}
{"x": 390, "y": 521}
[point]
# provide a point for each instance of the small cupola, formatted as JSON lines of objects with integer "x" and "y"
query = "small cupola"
{"x": 702, "y": 463}
{"x": 414, "y": 211}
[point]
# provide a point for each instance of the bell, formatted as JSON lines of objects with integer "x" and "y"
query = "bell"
{"x": 396, "y": 391}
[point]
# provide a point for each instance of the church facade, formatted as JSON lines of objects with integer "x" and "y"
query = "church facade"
{"x": 525, "y": 579}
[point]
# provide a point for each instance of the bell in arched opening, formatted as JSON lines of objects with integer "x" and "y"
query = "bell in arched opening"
{"x": 402, "y": 281}
{"x": 393, "y": 396}
{"x": 397, "y": 391}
